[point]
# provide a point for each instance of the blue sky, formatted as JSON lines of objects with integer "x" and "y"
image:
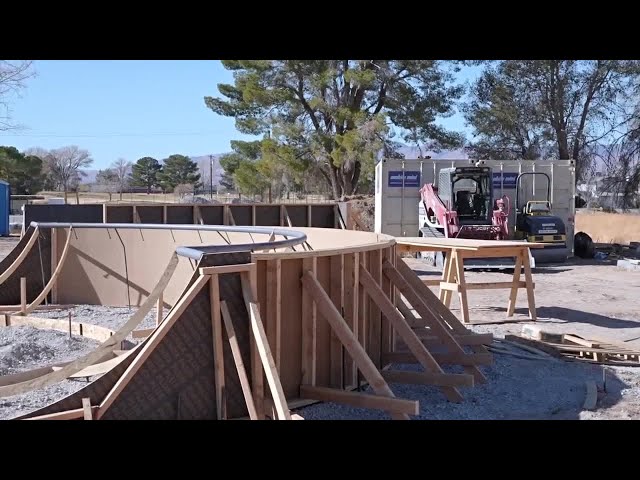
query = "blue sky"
{"x": 129, "y": 109}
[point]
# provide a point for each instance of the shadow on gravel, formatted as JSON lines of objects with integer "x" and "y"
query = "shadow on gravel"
{"x": 573, "y": 316}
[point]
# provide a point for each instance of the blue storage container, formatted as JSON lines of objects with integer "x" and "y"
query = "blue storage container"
{"x": 5, "y": 208}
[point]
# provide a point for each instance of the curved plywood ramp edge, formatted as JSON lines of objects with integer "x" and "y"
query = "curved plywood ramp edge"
{"x": 32, "y": 261}
{"x": 94, "y": 332}
{"x": 23, "y": 251}
{"x": 110, "y": 344}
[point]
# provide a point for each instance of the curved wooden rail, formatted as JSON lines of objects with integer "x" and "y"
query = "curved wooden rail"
{"x": 97, "y": 354}
{"x": 18, "y": 261}
{"x": 54, "y": 276}
{"x": 94, "y": 332}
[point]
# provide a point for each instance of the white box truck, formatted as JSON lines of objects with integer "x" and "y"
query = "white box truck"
{"x": 398, "y": 184}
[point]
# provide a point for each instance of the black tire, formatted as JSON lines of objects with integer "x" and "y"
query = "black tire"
{"x": 583, "y": 245}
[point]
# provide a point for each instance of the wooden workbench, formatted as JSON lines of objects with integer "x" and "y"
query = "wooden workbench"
{"x": 457, "y": 250}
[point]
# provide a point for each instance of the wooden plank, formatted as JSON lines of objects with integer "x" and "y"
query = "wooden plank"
{"x": 427, "y": 313}
{"x": 218, "y": 352}
{"x": 581, "y": 341}
{"x": 406, "y": 333}
{"x": 513, "y": 295}
{"x": 66, "y": 415}
{"x": 309, "y": 326}
{"x": 431, "y": 282}
{"x": 466, "y": 340}
{"x": 374, "y": 267}
{"x": 274, "y": 307}
{"x": 591, "y": 398}
{"x": 441, "y": 314}
{"x": 387, "y": 288}
{"x": 242, "y": 267}
{"x": 361, "y": 400}
{"x": 462, "y": 283}
{"x": 351, "y": 284}
{"x": 86, "y": 409}
{"x": 442, "y": 358}
{"x": 428, "y": 378}
{"x": 336, "y": 288}
{"x": 20, "y": 258}
{"x": 100, "y": 368}
{"x": 250, "y": 294}
{"x": 261, "y": 342}
{"x": 350, "y": 342}
{"x": 54, "y": 261}
{"x": 237, "y": 359}
{"x": 529, "y": 282}
{"x": 23, "y": 295}
{"x": 495, "y": 285}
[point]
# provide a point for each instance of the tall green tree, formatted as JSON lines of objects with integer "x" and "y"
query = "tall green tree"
{"x": 336, "y": 115}
{"x": 144, "y": 173}
{"x": 24, "y": 173}
{"x": 558, "y": 108}
{"x": 242, "y": 151}
{"x": 179, "y": 170}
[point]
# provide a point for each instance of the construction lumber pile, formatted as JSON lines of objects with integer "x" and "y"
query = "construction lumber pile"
{"x": 570, "y": 346}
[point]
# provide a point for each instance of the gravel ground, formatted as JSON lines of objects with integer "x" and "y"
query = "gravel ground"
{"x": 24, "y": 348}
{"x": 516, "y": 389}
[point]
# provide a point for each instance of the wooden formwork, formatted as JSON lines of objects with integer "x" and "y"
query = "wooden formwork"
{"x": 336, "y": 315}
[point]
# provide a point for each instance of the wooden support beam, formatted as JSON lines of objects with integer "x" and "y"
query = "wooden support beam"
{"x": 66, "y": 415}
{"x": 428, "y": 378}
{"x": 336, "y": 288}
{"x": 237, "y": 358}
{"x": 309, "y": 328}
{"x": 242, "y": 267}
{"x": 262, "y": 344}
{"x": 416, "y": 347}
{"x": 86, "y": 409}
{"x": 23, "y": 295}
{"x": 350, "y": 342}
{"x": 433, "y": 312}
{"x": 360, "y": 400}
{"x": 218, "y": 352}
{"x": 274, "y": 308}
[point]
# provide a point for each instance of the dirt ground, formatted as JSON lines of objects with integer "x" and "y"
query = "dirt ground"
{"x": 595, "y": 300}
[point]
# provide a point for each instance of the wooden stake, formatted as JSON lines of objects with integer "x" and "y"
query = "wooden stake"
{"x": 23, "y": 296}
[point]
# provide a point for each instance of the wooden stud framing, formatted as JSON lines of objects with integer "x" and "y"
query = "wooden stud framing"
{"x": 218, "y": 352}
{"x": 404, "y": 330}
{"x": 336, "y": 357}
{"x": 358, "y": 353}
{"x": 309, "y": 326}
{"x": 274, "y": 307}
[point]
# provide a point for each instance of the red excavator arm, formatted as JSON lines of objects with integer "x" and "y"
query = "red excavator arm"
{"x": 444, "y": 216}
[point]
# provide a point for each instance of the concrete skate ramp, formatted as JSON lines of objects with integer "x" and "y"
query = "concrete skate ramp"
{"x": 171, "y": 375}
